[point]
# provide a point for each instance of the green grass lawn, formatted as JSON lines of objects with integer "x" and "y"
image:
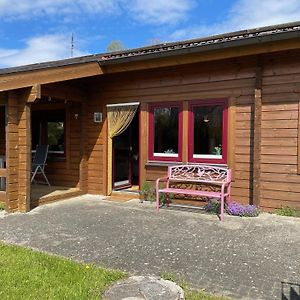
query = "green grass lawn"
{"x": 28, "y": 274}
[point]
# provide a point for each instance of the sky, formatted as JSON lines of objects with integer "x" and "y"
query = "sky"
{"x": 34, "y": 31}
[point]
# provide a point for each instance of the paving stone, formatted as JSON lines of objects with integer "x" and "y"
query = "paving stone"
{"x": 144, "y": 287}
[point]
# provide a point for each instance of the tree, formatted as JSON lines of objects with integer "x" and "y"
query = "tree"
{"x": 155, "y": 41}
{"x": 115, "y": 45}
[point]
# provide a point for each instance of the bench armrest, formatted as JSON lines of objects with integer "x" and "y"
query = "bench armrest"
{"x": 160, "y": 179}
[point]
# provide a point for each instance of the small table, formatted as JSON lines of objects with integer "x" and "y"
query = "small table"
{"x": 2, "y": 166}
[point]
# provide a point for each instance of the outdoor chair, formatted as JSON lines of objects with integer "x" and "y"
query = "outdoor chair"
{"x": 39, "y": 162}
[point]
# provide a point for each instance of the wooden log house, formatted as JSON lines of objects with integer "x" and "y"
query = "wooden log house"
{"x": 231, "y": 99}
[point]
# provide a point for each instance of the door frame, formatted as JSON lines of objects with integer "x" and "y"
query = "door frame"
{"x": 121, "y": 187}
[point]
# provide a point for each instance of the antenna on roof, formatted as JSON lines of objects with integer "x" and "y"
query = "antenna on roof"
{"x": 72, "y": 45}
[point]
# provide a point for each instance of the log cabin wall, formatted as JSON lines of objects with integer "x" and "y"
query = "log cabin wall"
{"x": 233, "y": 79}
{"x": 280, "y": 179}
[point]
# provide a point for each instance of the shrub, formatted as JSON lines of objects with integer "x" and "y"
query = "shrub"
{"x": 287, "y": 211}
{"x": 236, "y": 209}
{"x": 148, "y": 191}
{"x": 2, "y": 206}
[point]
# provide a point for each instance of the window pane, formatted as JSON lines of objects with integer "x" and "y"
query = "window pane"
{"x": 56, "y": 136}
{"x": 166, "y": 131}
{"x": 208, "y": 122}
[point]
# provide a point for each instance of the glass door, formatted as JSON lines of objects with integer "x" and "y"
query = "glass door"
{"x": 122, "y": 167}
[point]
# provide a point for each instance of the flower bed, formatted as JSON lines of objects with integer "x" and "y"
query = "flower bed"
{"x": 233, "y": 209}
{"x": 237, "y": 209}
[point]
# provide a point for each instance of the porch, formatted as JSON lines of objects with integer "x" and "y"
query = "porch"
{"x": 30, "y": 117}
{"x": 42, "y": 194}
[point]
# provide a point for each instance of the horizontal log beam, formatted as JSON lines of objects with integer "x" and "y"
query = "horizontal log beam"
{"x": 48, "y": 75}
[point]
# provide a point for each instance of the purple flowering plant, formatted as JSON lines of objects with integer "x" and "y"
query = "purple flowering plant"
{"x": 233, "y": 208}
{"x": 237, "y": 209}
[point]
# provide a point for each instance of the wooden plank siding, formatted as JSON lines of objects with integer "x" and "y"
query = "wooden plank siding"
{"x": 280, "y": 134}
{"x": 227, "y": 79}
{"x": 275, "y": 169}
{"x": 231, "y": 79}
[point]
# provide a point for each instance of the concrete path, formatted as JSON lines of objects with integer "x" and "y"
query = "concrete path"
{"x": 244, "y": 258}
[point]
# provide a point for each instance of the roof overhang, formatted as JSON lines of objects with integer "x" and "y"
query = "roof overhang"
{"x": 21, "y": 79}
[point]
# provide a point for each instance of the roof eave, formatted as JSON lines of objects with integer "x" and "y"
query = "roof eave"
{"x": 205, "y": 48}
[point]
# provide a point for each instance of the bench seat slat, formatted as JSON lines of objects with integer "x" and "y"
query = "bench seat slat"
{"x": 191, "y": 192}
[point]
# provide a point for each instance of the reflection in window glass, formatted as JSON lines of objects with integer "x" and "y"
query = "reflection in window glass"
{"x": 208, "y": 122}
{"x": 48, "y": 128}
{"x": 56, "y": 136}
{"x": 166, "y": 131}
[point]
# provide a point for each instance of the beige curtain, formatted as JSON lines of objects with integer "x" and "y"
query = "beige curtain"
{"x": 119, "y": 118}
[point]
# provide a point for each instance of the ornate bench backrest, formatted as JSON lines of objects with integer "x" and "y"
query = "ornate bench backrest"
{"x": 199, "y": 173}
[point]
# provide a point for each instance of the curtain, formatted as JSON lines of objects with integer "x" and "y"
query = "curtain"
{"x": 119, "y": 118}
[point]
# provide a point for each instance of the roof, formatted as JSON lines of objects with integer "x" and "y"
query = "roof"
{"x": 221, "y": 41}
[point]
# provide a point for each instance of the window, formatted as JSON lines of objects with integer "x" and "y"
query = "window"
{"x": 208, "y": 131}
{"x": 165, "y": 132}
{"x": 48, "y": 127}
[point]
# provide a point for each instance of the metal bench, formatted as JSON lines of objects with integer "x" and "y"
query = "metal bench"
{"x": 197, "y": 174}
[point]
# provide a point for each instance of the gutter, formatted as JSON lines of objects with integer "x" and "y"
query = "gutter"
{"x": 203, "y": 48}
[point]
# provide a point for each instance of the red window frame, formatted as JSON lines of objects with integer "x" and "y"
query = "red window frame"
{"x": 192, "y": 104}
{"x": 151, "y": 132}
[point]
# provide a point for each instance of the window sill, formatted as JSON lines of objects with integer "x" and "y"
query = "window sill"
{"x": 170, "y": 163}
{"x": 162, "y": 163}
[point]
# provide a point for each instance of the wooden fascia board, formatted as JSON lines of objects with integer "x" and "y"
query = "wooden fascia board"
{"x": 219, "y": 54}
{"x": 49, "y": 75}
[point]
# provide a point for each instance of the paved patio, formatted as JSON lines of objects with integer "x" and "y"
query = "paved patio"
{"x": 244, "y": 258}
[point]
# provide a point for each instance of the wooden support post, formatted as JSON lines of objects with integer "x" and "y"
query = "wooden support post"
{"x": 143, "y": 142}
{"x": 231, "y": 134}
{"x": 24, "y": 154}
{"x": 18, "y": 151}
{"x": 83, "y": 171}
{"x": 256, "y": 166}
{"x": 12, "y": 153}
{"x": 185, "y": 142}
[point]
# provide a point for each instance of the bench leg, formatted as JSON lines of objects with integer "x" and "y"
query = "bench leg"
{"x": 157, "y": 197}
{"x": 222, "y": 209}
